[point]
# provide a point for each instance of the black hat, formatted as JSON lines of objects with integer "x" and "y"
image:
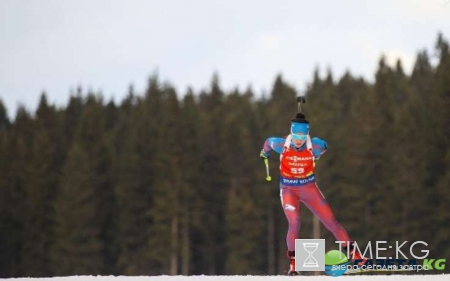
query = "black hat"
{"x": 300, "y": 118}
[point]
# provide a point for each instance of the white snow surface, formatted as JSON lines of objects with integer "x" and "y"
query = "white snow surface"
{"x": 437, "y": 277}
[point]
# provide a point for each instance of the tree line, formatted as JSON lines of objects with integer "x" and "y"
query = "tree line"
{"x": 158, "y": 184}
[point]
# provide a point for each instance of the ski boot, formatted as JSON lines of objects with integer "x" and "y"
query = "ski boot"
{"x": 354, "y": 253}
{"x": 291, "y": 257}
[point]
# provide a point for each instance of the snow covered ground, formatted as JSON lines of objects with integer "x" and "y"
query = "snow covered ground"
{"x": 244, "y": 278}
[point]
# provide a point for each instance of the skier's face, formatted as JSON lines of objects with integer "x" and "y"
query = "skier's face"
{"x": 299, "y": 139}
{"x": 298, "y": 143}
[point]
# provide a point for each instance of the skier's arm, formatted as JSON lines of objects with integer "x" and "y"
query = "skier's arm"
{"x": 270, "y": 144}
{"x": 319, "y": 147}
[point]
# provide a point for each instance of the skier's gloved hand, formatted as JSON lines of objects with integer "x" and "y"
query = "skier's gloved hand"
{"x": 263, "y": 155}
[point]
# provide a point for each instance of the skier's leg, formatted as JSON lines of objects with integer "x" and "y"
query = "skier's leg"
{"x": 313, "y": 198}
{"x": 290, "y": 203}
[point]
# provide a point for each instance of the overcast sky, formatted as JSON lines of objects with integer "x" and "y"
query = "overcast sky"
{"x": 104, "y": 45}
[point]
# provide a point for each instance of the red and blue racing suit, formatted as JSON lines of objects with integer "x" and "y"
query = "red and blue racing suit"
{"x": 298, "y": 184}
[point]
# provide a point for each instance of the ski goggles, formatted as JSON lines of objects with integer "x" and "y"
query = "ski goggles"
{"x": 302, "y": 137}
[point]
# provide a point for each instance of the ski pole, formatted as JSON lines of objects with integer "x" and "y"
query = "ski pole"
{"x": 268, "y": 178}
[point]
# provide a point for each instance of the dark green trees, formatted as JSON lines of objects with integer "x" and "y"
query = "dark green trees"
{"x": 159, "y": 184}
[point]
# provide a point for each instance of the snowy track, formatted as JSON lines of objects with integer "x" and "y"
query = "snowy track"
{"x": 244, "y": 278}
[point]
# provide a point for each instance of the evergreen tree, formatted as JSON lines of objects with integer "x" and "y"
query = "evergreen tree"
{"x": 5, "y": 123}
{"x": 210, "y": 238}
{"x": 71, "y": 116}
{"x": 44, "y": 164}
{"x": 165, "y": 237}
{"x": 91, "y": 139}
{"x": 8, "y": 232}
{"x": 189, "y": 132}
{"x": 439, "y": 164}
{"x": 246, "y": 228}
{"x": 17, "y": 175}
{"x": 77, "y": 248}
{"x": 132, "y": 194}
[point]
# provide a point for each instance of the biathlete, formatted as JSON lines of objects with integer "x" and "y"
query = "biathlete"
{"x": 298, "y": 153}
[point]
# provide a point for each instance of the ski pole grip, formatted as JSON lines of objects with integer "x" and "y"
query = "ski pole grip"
{"x": 268, "y": 177}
